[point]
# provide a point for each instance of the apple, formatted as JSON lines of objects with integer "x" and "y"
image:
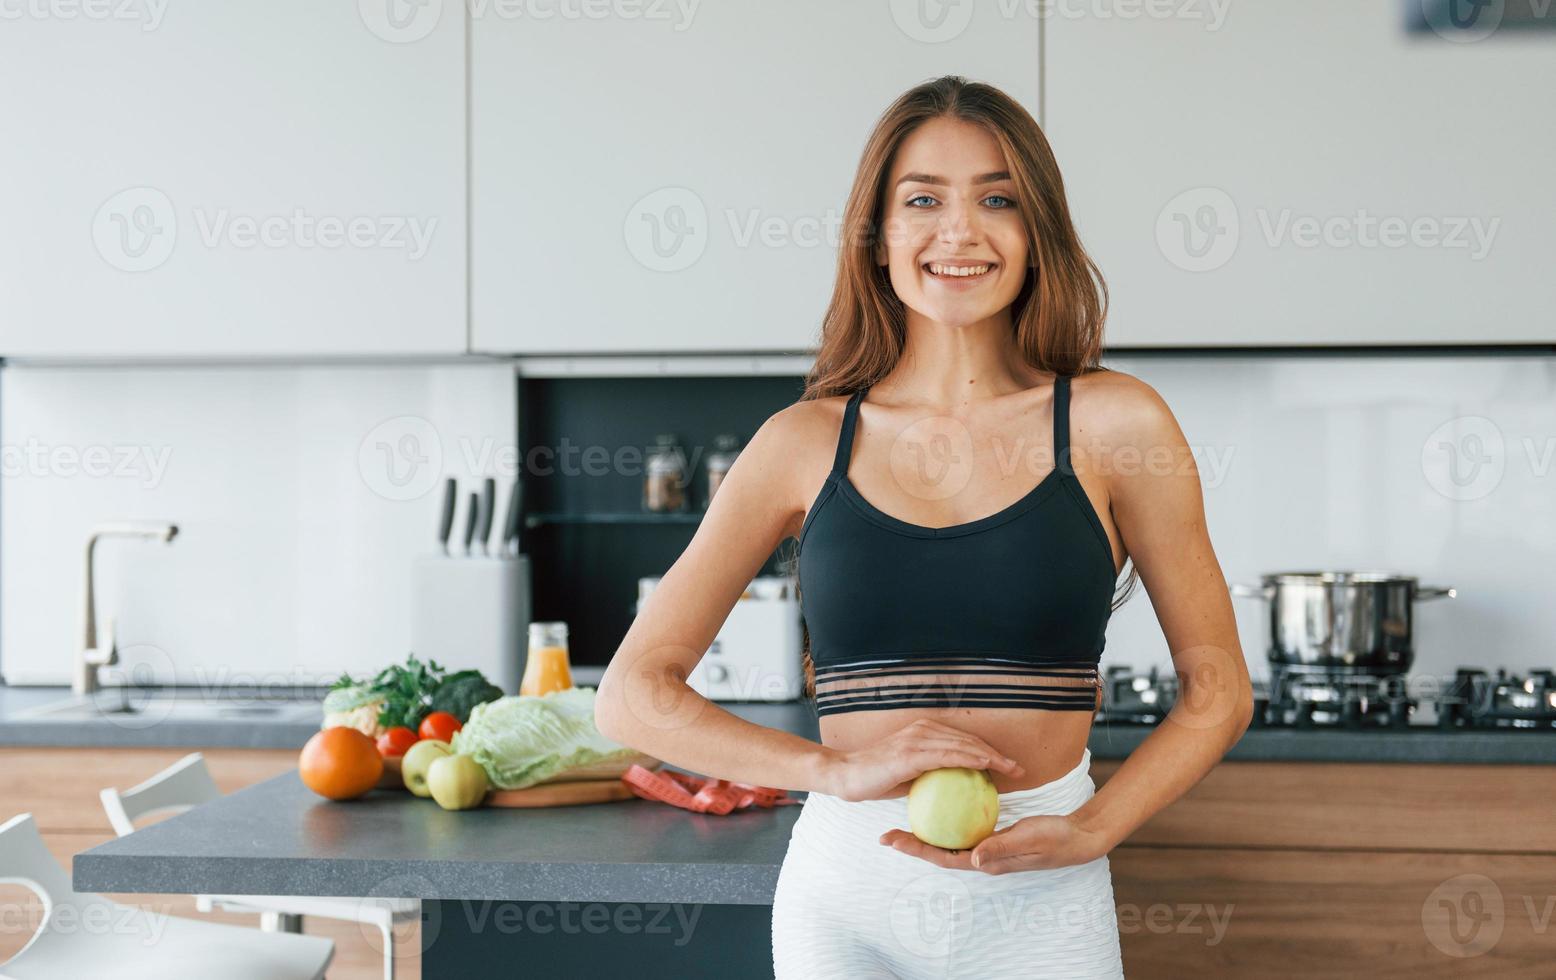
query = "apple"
{"x": 954, "y": 808}
{"x": 418, "y": 759}
{"x": 458, "y": 782}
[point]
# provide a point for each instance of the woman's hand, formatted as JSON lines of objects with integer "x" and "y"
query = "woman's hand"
{"x": 887, "y": 768}
{"x": 1029, "y": 844}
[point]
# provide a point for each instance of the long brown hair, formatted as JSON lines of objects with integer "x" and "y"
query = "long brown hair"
{"x": 1057, "y": 315}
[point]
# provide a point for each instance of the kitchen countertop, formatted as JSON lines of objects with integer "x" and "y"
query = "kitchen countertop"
{"x": 277, "y": 837}
{"x": 287, "y": 727}
{"x": 291, "y": 728}
{"x": 1420, "y": 744}
{"x": 295, "y": 718}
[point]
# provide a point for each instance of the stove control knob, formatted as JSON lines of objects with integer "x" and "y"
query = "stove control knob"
{"x": 1351, "y": 714}
{"x": 1447, "y": 716}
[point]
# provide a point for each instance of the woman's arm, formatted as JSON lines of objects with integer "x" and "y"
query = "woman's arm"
{"x": 1158, "y": 506}
{"x": 643, "y": 699}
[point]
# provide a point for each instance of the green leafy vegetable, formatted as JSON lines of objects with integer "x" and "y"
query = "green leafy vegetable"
{"x": 523, "y": 740}
{"x": 406, "y": 693}
{"x": 461, "y": 692}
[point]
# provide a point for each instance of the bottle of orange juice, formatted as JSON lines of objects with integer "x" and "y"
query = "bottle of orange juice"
{"x": 546, "y": 668}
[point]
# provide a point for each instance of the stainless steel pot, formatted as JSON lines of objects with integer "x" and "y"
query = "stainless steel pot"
{"x": 1341, "y": 621}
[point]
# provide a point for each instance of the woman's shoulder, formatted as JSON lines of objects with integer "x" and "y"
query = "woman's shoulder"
{"x": 807, "y": 420}
{"x": 1120, "y": 409}
{"x": 801, "y": 432}
{"x": 793, "y": 451}
{"x": 1116, "y": 388}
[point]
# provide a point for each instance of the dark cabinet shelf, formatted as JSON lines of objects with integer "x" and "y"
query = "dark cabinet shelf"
{"x": 584, "y": 528}
{"x": 614, "y": 517}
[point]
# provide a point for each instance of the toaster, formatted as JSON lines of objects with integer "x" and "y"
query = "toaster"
{"x": 756, "y": 654}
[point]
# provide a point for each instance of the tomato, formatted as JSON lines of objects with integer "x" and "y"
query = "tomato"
{"x": 440, "y": 725}
{"x": 393, "y": 743}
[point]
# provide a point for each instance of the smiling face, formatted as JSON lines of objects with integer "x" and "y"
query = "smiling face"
{"x": 954, "y": 242}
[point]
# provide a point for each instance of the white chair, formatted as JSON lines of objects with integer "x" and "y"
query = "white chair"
{"x": 84, "y": 935}
{"x": 187, "y": 783}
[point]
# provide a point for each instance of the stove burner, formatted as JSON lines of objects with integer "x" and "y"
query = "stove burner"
{"x": 1307, "y": 699}
{"x": 1477, "y": 700}
{"x": 1354, "y": 699}
{"x": 1138, "y": 699}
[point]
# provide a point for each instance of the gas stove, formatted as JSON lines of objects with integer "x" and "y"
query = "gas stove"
{"x": 1473, "y": 698}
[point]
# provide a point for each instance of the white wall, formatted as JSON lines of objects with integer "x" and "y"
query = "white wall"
{"x": 1336, "y": 463}
{"x": 292, "y": 562}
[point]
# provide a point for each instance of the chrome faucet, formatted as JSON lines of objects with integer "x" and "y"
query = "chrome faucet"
{"x": 95, "y": 654}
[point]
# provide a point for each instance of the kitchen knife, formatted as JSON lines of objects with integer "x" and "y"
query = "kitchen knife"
{"x": 472, "y": 514}
{"x": 505, "y": 531}
{"x": 510, "y": 528}
{"x": 483, "y": 529}
{"x": 446, "y": 521}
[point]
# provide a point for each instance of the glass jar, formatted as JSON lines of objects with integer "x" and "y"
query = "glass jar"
{"x": 546, "y": 669}
{"x": 725, "y": 449}
{"x": 665, "y": 477}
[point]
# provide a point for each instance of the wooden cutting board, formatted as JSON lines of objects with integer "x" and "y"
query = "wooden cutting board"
{"x": 570, "y": 793}
{"x": 606, "y": 770}
{"x": 391, "y": 777}
{"x": 603, "y": 772}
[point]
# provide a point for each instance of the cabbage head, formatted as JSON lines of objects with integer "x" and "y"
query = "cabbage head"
{"x": 521, "y": 740}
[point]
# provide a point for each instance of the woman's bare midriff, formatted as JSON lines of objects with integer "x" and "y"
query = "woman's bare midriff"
{"x": 1047, "y": 744}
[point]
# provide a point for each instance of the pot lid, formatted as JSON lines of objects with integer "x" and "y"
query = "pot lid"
{"x": 1337, "y": 578}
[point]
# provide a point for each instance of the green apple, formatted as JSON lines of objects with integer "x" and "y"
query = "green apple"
{"x": 417, "y": 760}
{"x": 458, "y": 782}
{"x": 953, "y": 808}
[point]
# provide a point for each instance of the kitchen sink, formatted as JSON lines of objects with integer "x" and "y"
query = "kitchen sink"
{"x": 142, "y": 709}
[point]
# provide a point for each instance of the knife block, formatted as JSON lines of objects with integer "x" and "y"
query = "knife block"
{"x": 472, "y": 612}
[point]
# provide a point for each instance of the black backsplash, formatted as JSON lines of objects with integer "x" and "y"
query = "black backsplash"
{"x": 585, "y": 531}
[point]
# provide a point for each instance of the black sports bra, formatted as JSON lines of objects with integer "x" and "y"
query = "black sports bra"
{"x": 1009, "y": 610}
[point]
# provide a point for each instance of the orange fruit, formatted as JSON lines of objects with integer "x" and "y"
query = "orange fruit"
{"x": 340, "y": 763}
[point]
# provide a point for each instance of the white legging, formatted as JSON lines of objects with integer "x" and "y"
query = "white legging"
{"x": 848, "y": 906}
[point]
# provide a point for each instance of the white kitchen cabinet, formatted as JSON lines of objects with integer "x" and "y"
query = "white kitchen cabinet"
{"x": 651, "y": 183}
{"x": 1308, "y": 174}
{"x": 224, "y": 178}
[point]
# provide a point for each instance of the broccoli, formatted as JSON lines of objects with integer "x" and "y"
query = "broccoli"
{"x": 461, "y": 692}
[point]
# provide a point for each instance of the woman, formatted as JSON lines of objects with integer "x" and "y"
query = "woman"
{"x": 982, "y": 481}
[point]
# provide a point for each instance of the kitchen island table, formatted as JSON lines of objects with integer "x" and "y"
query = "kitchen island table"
{"x": 599, "y": 890}
{"x": 596, "y": 890}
